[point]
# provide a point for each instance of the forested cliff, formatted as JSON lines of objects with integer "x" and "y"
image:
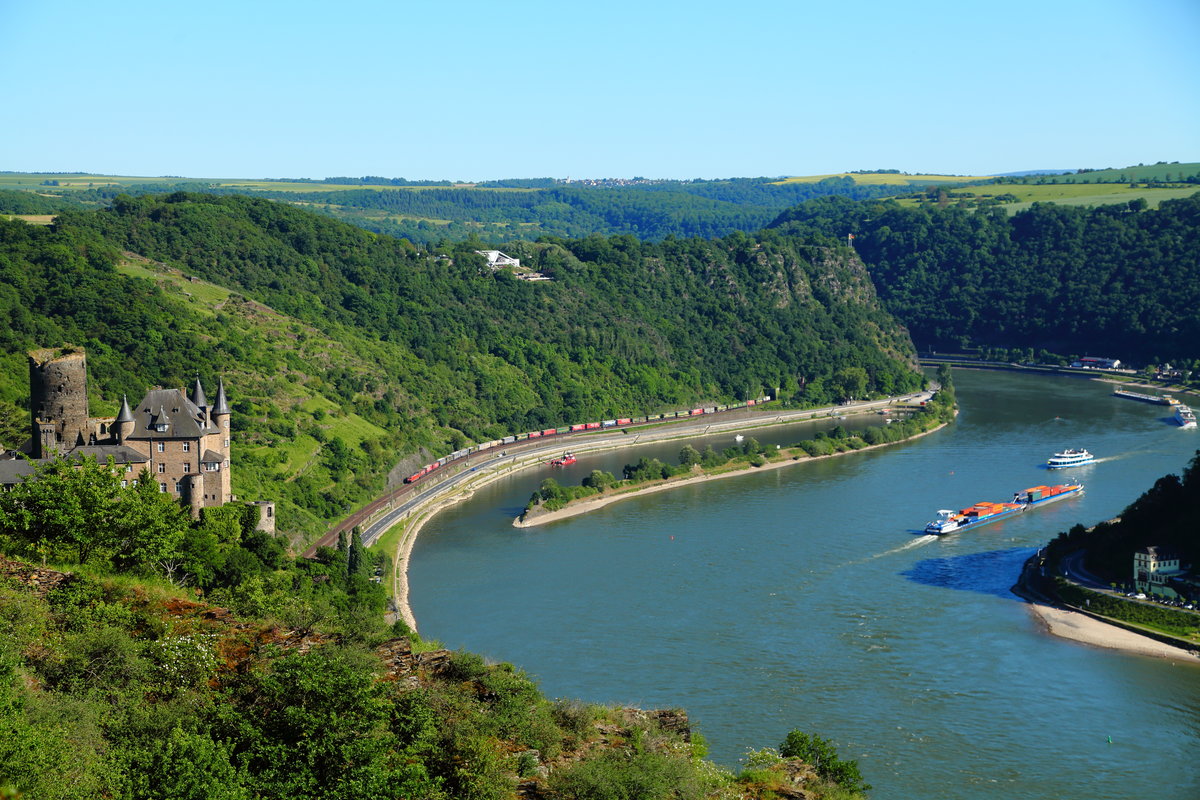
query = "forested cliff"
{"x": 1118, "y": 280}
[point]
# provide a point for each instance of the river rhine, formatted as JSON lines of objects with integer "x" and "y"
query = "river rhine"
{"x": 802, "y": 598}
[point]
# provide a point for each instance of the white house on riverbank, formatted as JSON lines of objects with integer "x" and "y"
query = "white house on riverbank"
{"x": 1153, "y": 568}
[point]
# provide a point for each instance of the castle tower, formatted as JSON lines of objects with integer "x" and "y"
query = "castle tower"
{"x": 266, "y": 516}
{"x": 57, "y": 400}
{"x": 123, "y": 425}
{"x": 220, "y": 415}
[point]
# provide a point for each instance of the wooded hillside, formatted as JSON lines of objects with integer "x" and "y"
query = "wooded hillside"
{"x": 1122, "y": 281}
{"x": 349, "y": 350}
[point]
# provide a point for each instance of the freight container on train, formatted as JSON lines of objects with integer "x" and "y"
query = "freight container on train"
{"x": 591, "y": 426}
{"x": 625, "y": 421}
{"x": 578, "y": 427}
{"x": 609, "y": 423}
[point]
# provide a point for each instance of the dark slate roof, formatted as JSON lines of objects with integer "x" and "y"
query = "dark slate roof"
{"x": 198, "y": 399}
{"x": 13, "y": 470}
{"x": 101, "y": 452}
{"x": 222, "y": 406}
{"x": 125, "y": 415}
{"x": 212, "y": 455}
{"x": 183, "y": 419}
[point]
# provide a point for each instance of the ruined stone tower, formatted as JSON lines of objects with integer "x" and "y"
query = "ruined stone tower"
{"x": 58, "y": 400}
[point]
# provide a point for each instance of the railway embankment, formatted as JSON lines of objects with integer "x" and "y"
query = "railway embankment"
{"x": 791, "y": 457}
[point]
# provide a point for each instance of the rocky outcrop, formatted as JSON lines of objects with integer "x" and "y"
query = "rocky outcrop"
{"x": 408, "y": 668}
{"x": 39, "y": 580}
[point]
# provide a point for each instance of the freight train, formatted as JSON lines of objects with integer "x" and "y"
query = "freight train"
{"x": 579, "y": 427}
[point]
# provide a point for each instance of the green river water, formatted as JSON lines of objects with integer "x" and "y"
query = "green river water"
{"x": 804, "y": 598}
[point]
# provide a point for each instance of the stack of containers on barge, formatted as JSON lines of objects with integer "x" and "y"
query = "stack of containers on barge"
{"x": 1037, "y": 495}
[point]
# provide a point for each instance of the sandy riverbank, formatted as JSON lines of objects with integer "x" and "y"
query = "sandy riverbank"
{"x": 1082, "y": 628}
{"x": 579, "y": 507}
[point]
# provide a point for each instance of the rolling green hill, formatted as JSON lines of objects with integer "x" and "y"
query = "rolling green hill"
{"x": 346, "y": 352}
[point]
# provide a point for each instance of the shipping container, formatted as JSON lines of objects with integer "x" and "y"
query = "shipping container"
{"x": 750, "y": 402}
{"x": 563, "y": 430}
{"x": 697, "y": 412}
{"x": 508, "y": 439}
{"x": 578, "y": 427}
{"x": 549, "y": 432}
{"x": 625, "y": 421}
{"x": 591, "y": 426}
{"x": 609, "y": 423}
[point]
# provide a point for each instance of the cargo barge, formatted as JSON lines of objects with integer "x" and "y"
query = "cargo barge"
{"x": 980, "y": 514}
{"x": 975, "y": 516}
{"x": 1157, "y": 399}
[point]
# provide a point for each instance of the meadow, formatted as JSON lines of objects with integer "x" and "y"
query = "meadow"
{"x": 890, "y": 179}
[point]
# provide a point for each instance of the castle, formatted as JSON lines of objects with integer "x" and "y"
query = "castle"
{"x": 181, "y": 440}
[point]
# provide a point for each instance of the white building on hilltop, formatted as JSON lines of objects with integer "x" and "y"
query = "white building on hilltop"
{"x": 496, "y": 259}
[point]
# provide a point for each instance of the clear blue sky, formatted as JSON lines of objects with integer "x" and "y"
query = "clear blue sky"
{"x": 478, "y": 90}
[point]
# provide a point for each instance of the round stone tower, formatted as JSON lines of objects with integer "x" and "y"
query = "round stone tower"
{"x": 58, "y": 402}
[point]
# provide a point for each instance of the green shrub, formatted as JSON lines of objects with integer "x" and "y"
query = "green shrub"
{"x": 820, "y": 754}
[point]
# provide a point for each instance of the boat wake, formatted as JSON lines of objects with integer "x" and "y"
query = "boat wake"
{"x": 919, "y": 541}
{"x": 923, "y": 539}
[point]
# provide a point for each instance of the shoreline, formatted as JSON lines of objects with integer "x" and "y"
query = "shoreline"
{"x": 1076, "y": 627}
{"x": 600, "y": 501}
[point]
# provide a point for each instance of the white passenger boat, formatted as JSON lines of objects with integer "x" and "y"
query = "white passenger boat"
{"x": 1185, "y": 416}
{"x": 1070, "y": 458}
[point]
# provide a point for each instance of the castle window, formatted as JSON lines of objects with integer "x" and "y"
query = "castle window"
{"x": 178, "y": 487}
{"x": 187, "y": 467}
{"x": 161, "y": 446}
{"x": 162, "y": 487}
{"x": 161, "y": 427}
{"x": 129, "y": 467}
{"x": 187, "y": 446}
{"x": 162, "y": 467}
{"x": 124, "y": 484}
{"x": 227, "y": 443}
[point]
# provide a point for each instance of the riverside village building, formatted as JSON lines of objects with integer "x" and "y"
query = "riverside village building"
{"x": 181, "y": 439}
